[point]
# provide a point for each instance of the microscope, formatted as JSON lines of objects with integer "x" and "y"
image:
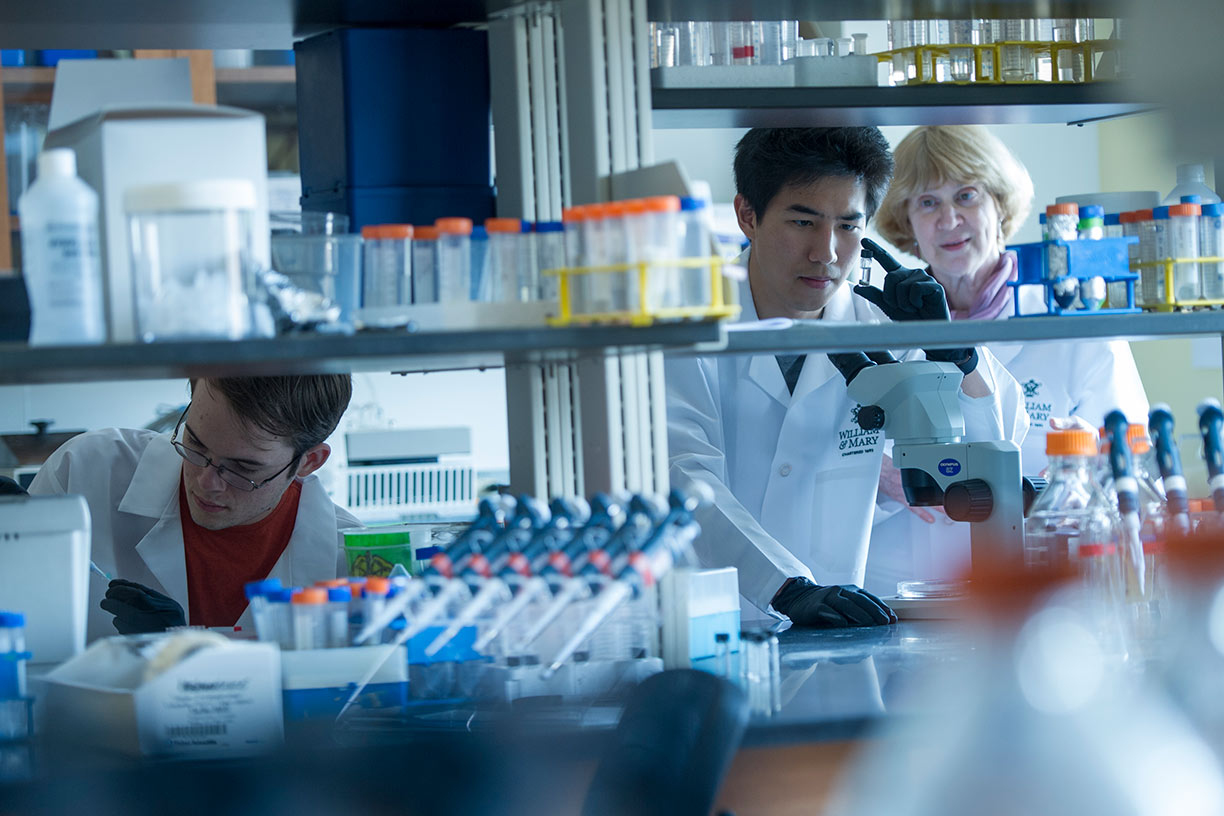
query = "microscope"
{"x": 916, "y": 404}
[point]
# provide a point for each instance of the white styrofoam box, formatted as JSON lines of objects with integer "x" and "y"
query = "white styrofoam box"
{"x": 223, "y": 698}
{"x": 850, "y": 70}
{"x": 697, "y": 604}
{"x": 122, "y": 147}
{"x": 44, "y": 571}
{"x": 724, "y": 76}
{"x": 337, "y": 668}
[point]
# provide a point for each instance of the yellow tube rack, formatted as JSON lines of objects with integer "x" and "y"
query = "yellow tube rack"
{"x": 1172, "y": 304}
{"x": 644, "y": 315}
{"x": 924, "y": 57}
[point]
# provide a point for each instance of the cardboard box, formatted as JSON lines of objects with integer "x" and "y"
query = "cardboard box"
{"x": 122, "y": 147}
{"x": 223, "y": 699}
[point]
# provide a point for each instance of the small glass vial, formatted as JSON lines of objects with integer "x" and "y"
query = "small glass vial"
{"x": 722, "y": 655}
{"x": 1211, "y": 245}
{"x": 1183, "y": 243}
{"x": 454, "y": 259}
{"x": 425, "y": 264}
{"x": 386, "y": 278}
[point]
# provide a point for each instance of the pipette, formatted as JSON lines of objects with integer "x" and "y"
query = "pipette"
{"x": 1128, "y": 499}
{"x": 1168, "y": 459}
{"x": 645, "y": 566}
{"x": 477, "y": 567}
{"x": 597, "y": 568}
{"x": 98, "y": 570}
{"x": 524, "y": 555}
{"x": 1211, "y": 425}
{"x": 604, "y": 518}
{"x": 490, "y": 517}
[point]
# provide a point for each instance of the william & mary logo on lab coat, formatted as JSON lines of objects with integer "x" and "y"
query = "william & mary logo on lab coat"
{"x": 1039, "y": 412}
{"x": 853, "y": 440}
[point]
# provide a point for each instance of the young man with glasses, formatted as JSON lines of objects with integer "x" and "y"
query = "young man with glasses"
{"x": 184, "y": 522}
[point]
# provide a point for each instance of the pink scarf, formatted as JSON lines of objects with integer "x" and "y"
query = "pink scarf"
{"x": 994, "y": 295}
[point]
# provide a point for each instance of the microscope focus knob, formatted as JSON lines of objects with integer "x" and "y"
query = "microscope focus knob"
{"x": 870, "y": 417}
{"x": 970, "y": 500}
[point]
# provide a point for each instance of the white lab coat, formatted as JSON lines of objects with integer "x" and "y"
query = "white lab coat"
{"x": 794, "y": 477}
{"x": 1085, "y": 378}
{"x": 130, "y": 479}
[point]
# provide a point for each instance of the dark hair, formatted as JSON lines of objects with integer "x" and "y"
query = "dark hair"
{"x": 304, "y": 409}
{"x": 768, "y": 159}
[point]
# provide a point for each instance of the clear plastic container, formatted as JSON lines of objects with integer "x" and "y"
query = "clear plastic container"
{"x": 960, "y": 60}
{"x": 1183, "y": 243}
{"x": 720, "y": 42}
{"x": 60, "y": 254}
{"x": 1153, "y": 277}
{"x": 1018, "y": 63}
{"x": 550, "y": 253}
{"x": 743, "y": 43}
{"x": 1145, "y": 225}
{"x": 309, "y": 610}
{"x": 661, "y": 230}
{"x": 695, "y": 243}
{"x": 193, "y": 270}
{"x": 1062, "y": 224}
{"x": 1071, "y": 523}
{"x": 454, "y": 259}
{"x": 507, "y": 281}
{"x": 693, "y": 47}
{"x": 1191, "y": 180}
{"x": 1211, "y": 245}
{"x": 387, "y": 267}
{"x": 425, "y": 264}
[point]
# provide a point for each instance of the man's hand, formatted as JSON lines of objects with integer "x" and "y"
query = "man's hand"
{"x": 830, "y": 607}
{"x": 912, "y": 294}
{"x": 138, "y": 609}
{"x": 890, "y": 486}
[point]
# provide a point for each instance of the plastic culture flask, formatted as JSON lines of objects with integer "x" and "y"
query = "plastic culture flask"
{"x": 1184, "y": 243}
{"x": 425, "y": 264}
{"x": 1211, "y": 245}
{"x": 550, "y": 253}
{"x": 502, "y": 284}
{"x": 387, "y": 268}
{"x": 454, "y": 259}
{"x": 694, "y": 243}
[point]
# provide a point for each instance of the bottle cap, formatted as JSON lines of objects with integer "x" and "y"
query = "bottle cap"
{"x": 454, "y": 226}
{"x": 377, "y": 586}
{"x": 262, "y": 588}
{"x": 426, "y": 233}
{"x": 479, "y": 233}
{"x": 635, "y": 206}
{"x": 1192, "y": 199}
{"x": 573, "y": 214}
{"x": 1041, "y": 218}
{"x": 59, "y": 162}
{"x": 1213, "y": 210}
{"x": 1143, "y": 215}
{"x": 386, "y": 231}
{"x": 1073, "y": 442}
{"x": 687, "y": 203}
{"x": 1185, "y": 209}
{"x": 343, "y": 593}
{"x": 1062, "y": 209}
{"x": 616, "y": 209}
{"x": 11, "y": 620}
{"x": 512, "y": 226}
{"x": 1160, "y": 213}
{"x": 311, "y": 595}
{"x": 1112, "y": 219}
{"x": 1092, "y": 211}
{"x": 549, "y": 226}
{"x": 669, "y": 203}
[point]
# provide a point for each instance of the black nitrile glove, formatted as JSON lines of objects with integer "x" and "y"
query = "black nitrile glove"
{"x": 830, "y": 607}
{"x": 912, "y": 294}
{"x": 138, "y": 609}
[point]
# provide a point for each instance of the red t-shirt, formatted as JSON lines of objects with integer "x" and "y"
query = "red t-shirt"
{"x": 220, "y": 563}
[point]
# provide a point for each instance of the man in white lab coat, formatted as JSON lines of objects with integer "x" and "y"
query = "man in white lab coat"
{"x": 776, "y": 437}
{"x": 183, "y": 522}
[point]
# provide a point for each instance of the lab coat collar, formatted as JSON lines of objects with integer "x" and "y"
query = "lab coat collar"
{"x": 153, "y": 492}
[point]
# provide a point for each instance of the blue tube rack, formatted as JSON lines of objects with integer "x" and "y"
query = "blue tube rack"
{"x": 1106, "y": 258}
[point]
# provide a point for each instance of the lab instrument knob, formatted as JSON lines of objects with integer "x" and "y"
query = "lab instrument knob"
{"x": 870, "y": 417}
{"x": 970, "y": 500}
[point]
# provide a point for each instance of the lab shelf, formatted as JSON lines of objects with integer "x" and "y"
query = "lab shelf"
{"x": 1037, "y": 103}
{"x": 815, "y": 335}
{"x": 254, "y": 87}
{"x": 315, "y": 354}
{"x": 680, "y": 10}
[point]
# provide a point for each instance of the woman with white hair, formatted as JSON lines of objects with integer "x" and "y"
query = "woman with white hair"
{"x": 956, "y": 196}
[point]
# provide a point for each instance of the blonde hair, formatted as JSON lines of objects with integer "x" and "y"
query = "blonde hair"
{"x": 931, "y": 156}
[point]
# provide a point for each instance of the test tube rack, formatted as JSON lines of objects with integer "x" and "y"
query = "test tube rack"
{"x": 1105, "y": 258}
{"x": 925, "y": 57}
{"x": 640, "y": 308}
{"x": 1171, "y": 303}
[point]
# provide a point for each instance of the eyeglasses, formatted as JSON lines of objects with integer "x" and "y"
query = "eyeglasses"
{"x": 235, "y": 480}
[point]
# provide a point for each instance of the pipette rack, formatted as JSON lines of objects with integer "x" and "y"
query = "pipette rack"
{"x": 1172, "y": 303}
{"x": 1105, "y": 258}
{"x": 925, "y": 57}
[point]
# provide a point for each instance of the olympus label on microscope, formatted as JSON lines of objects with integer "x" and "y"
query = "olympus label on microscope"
{"x": 949, "y": 467}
